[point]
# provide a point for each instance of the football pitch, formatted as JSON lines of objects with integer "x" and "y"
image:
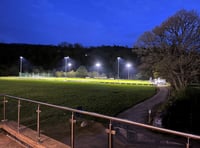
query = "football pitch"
{"x": 103, "y": 96}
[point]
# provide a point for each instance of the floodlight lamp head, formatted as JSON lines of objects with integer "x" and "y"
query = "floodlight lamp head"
{"x": 98, "y": 64}
{"x": 128, "y": 65}
{"x": 66, "y": 57}
{"x": 69, "y": 64}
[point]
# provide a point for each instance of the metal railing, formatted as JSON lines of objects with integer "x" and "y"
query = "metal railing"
{"x": 111, "y": 120}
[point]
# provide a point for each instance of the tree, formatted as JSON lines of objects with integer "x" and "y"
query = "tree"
{"x": 173, "y": 49}
{"x": 81, "y": 72}
{"x": 59, "y": 74}
{"x": 71, "y": 74}
{"x": 93, "y": 74}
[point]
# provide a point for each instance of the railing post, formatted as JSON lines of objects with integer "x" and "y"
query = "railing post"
{"x": 188, "y": 142}
{"x": 18, "y": 119}
{"x": 110, "y": 133}
{"x": 4, "y": 109}
{"x": 38, "y": 122}
{"x": 72, "y": 129}
{"x": 149, "y": 116}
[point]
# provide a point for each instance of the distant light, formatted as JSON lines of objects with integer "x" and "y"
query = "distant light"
{"x": 128, "y": 65}
{"x": 98, "y": 64}
{"x": 66, "y": 57}
{"x": 69, "y": 64}
{"x": 21, "y": 57}
{"x": 118, "y": 58}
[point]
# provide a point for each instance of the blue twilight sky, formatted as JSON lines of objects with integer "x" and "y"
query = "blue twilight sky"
{"x": 88, "y": 22}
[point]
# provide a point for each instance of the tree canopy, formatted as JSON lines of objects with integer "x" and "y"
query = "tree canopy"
{"x": 172, "y": 50}
{"x": 50, "y": 58}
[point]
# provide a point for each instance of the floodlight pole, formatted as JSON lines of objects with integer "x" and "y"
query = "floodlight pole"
{"x": 20, "y": 70}
{"x": 69, "y": 65}
{"x": 118, "y": 58}
{"x": 128, "y": 65}
{"x": 65, "y": 65}
{"x": 128, "y": 73}
{"x": 66, "y": 58}
{"x": 98, "y": 65}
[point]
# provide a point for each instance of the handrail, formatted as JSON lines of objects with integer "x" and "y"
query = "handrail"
{"x": 182, "y": 134}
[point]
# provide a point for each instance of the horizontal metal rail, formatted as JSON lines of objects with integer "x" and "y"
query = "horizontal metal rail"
{"x": 182, "y": 134}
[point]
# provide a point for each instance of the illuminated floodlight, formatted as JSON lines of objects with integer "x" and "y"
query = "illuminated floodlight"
{"x": 69, "y": 64}
{"x": 20, "y": 67}
{"x": 98, "y": 64}
{"x": 66, "y": 57}
{"x": 128, "y": 65}
{"x": 66, "y": 61}
{"x": 118, "y": 59}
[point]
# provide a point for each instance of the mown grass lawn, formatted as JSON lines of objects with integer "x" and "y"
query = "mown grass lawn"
{"x": 92, "y": 95}
{"x": 107, "y": 97}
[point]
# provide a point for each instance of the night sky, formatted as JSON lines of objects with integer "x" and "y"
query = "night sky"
{"x": 88, "y": 22}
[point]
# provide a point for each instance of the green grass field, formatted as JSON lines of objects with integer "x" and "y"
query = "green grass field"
{"x": 107, "y": 97}
{"x": 102, "y": 96}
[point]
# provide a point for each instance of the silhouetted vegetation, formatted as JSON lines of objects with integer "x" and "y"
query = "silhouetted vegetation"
{"x": 172, "y": 50}
{"x": 183, "y": 114}
{"x": 45, "y": 58}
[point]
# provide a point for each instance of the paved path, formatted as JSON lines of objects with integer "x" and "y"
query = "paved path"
{"x": 133, "y": 136}
{"x": 139, "y": 112}
{"x": 125, "y": 137}
{"x": 136, "y": 137}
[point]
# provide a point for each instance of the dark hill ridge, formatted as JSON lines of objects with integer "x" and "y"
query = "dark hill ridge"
{"x": 49, "y": 57}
